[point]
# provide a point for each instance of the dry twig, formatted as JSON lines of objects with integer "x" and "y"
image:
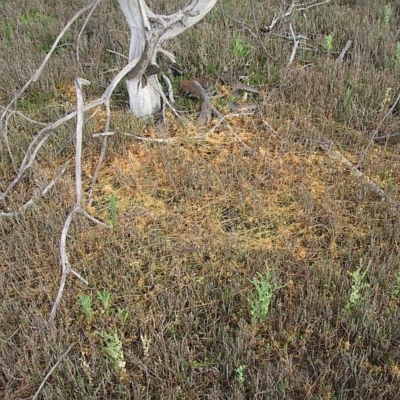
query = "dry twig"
{"x": 336, "y": 155}
{"x": 207, "y": 107}
{"x": 296, "y": 42}
{"x": 376, "y": 131}
{"x": 32, "y": 200}
{"x": 344, "y": 51}
{"x": 93, "y": 8}
{"x": 42, "y": 136}
{"x": 35, "y": 396}
{"x": 102, "y": 151}
{"x": 39, "y": 71}
{"x": 165, "y": 27}
{"x": 65, "y": 264}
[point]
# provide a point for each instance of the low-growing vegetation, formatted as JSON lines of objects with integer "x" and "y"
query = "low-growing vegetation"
{"x": 255, "y": 257}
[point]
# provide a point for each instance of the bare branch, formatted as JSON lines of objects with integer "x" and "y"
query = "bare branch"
{"x": 344, "y": 51}
{"x": 46, "y": 132}
{"x": 7, "y": 115}
{"x": 52, "y": 370}
{"x": 222, "y": 120}
{"x": 73, "y": 272}
{"x": 103, "y": 134}
{"x": 65, "y": 265}
{"x": 175, "y": 24}
{"x": 257, "y": 34}
{"x": 375, "y": 133}
{"x": 142, "y": 7}
{"x": 166, "y": 53}
{"x": 170, "y": 89}
{"x": 39, "y": 71}
{"x": 328, "y": 146}
{"x": 292, "y": 8}
{"x": 95, "y": 220}
{"x": 102, "y": 151}
{"x": 25, "y": 117}
{"x": 207, "y": 107}
{"x": 167, "y": 102}
{"x": 151, "y": 31}
{"x": 79, "y": 128}
{"x": 295, "y": 45}
{"x": 312, "y": 4}
{"x": 32, "y": 200}
{"x": 83, "y": 28}
{"x": 156, "y": 140}
{"x": 38, "y": 142}
{"x": 170, "y": 140}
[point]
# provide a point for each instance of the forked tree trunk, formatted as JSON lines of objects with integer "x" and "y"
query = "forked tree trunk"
{"x": 148, "y": 33}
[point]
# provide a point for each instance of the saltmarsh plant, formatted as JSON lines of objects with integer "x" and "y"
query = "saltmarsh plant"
{"x": 359, "y": 288}
{"x": 146, "y": 343}
{"x": 260, "y": 302}
{"x": 6, "y": 29}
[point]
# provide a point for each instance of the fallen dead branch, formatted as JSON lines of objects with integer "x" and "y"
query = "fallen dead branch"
{"x": 296, "y": 43}
{"x": 33, "y": 199}
{"x": 79, "y": 208}
{"x": 44, "y": 134}
{"x": 156, "y": 140}
{"x": 207, "y": 108}
{"x": 292, "y": 7}
{"x": 203, "y": 136}
{"x": 39, "y": 71}
{"x": 35, "y": 396}
{"x": 344, "y": 51}
{"x": 336, "y": 155}
{"x": 164, "y": 27}
{"x": 376, "y": 131}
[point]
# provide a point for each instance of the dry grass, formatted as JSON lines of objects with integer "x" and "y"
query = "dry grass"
{"x": 197, "y": 220}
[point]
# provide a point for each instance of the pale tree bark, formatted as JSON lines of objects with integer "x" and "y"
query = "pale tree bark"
{"x": 149, "y": 31}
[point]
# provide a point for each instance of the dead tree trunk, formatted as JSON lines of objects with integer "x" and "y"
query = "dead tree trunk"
{"x": 149, "y": 31}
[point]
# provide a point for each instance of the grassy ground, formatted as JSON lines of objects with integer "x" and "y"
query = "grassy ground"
{"x": 269, "y": 273}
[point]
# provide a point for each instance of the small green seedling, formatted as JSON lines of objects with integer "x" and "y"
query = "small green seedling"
{"x": 348, "y": 97}
{"x": 328, "y": 43}
{"x": 113, "y": 211}
{"x": 265, "y": 289}
{"x": 105, "y": 298}
{"x": 240, "y": 370}
{"x": 28, "y": 18}
{"x": 397, "y": 60}
{"x": 387, "y": 15}
{"x": 113, "y": 347}
{"x": 357, "y": 294}
{"x": 396, "y": 289}
{"x": 85, "y": 303}
{"x": 239, "y": 49}
{"x": 124, "y": 316}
